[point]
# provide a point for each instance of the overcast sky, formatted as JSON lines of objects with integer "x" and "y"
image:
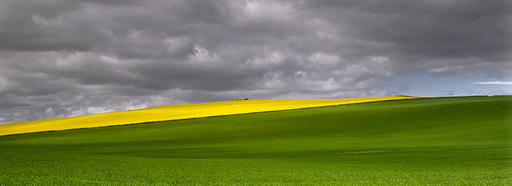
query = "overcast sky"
{"x": 68, "y": 57}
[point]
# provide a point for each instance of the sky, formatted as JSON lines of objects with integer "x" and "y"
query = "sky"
{"x": 63, "y": 58}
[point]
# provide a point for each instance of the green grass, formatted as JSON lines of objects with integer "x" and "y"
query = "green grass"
{"x": 455, "y": 141}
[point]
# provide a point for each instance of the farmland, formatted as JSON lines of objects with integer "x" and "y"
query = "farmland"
{"x": 456, "y": 141}
{"x": 177, "y": 112}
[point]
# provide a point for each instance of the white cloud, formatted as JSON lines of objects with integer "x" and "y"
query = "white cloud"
{"x": 493, "y": 83}
{"x": 324, "y": 59}
{"x": 98, "y": 110}
{"x": 202, "y": 55}
{"x": 269, "y": 10}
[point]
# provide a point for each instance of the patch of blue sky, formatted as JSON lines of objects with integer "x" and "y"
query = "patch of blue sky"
{"x": 429, "y": 85}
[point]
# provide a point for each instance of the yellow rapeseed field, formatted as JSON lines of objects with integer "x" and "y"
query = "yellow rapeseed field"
{"x": 176, "y": 112}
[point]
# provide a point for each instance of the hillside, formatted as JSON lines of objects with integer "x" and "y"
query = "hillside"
{"x": 177, "y": 112}
{"x": 457, "y": 141}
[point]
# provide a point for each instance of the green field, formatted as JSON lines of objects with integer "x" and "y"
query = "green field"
{"x": 455, "y": 141}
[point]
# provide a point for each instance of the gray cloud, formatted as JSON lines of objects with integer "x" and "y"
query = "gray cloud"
{"x": 61, "y": 58}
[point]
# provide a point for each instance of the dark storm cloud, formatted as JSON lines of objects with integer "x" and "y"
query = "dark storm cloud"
{"x": 435, "y": 29}
{"x": 61, "y": 58}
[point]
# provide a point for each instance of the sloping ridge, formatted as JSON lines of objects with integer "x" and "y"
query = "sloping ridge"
{"x": 177, "y": 112}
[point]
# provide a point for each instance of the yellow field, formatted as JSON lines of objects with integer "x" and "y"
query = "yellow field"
{"x": 176, "y": 112}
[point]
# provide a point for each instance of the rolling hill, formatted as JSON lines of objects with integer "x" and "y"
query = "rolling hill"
{"x": 434, "y": 141}
{"x": 177, "y": 112}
